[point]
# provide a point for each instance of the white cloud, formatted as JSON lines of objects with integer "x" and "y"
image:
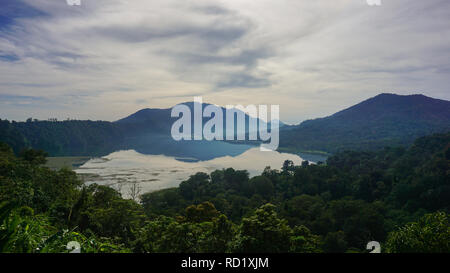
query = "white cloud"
{"x": 108, "y": 58}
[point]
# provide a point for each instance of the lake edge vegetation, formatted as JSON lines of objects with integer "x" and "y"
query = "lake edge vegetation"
{"x": 397, "y": 196}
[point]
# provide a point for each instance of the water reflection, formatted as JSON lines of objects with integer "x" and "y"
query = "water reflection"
{"x": 184, "y": 150}
{"x": 153, "y": 172}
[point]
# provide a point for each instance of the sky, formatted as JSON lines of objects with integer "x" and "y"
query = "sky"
{"x": 106, "y": 59}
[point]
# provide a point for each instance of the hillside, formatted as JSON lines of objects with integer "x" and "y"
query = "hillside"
{"x": 63, "y": 138}
{"x": 146, "y": 131}
{"x": 394, "y": 196}
{"x": 160, "y": 120}
{"x": 384, "y": 120}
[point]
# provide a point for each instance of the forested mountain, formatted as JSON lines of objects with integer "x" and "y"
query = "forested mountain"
{"x": 146, "y": 131}
{"x": 384, "y": 120}
{"x": 398, "y": 197}
{"x": 63, "y": 138}
{"x": 160, "y": 120}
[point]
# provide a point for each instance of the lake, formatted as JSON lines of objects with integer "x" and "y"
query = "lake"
{"x": 151, "y": 172}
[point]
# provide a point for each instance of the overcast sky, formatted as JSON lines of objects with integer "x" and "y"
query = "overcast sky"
{"x": 107, "y": 59}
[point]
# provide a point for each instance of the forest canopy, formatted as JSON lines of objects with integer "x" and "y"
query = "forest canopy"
{"x": 396, "y": 196}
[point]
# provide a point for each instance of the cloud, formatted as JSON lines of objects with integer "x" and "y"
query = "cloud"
{"x": 15, "y": 9}
{"x": 20, "y": 101}
{"x": 9, "y": 57}
{"x": 108, "y": 58}
{"x": 243, "y": 80}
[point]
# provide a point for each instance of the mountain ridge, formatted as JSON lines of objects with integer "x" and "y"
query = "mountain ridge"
{"x": 383, "y": 120}
{"x": 373, "y": 123}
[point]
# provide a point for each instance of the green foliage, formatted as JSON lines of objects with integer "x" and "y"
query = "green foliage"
{"x": 201, "y": 213}
{"x": 431, "y": 234}
{"x": 168, "y": 235}
{"x": 263, "y": 186}
{"x": 28, "y": 233}
{"x": 355, "y": 198}
{"x": 304, "y": 241}
{"x": 34, "y": 157}
{"x": 39, "y": 206}
{"x": 264, "y": 232}
{"x": 72, "y": 137}
{"x": 335, "y": 242}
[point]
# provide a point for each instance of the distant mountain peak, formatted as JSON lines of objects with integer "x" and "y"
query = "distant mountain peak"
{"x": 388, "y": 104}
{"x": 163, "y": 114}
{"x": 396, "y": 97}
{"x": 385, "y": 119}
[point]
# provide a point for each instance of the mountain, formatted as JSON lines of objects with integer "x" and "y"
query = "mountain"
{"x": 386, "y": 119}
{"x": 148, "y": 115}
{"x": 147, "y": 131}
{"x": 160, "y": 120}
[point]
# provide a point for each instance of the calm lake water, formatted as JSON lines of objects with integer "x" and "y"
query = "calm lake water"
{"x": 122, "y": 169}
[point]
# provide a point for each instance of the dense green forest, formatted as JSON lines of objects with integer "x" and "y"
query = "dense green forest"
{"x": 399, "y": 197}
{"x": 63, "y": 138}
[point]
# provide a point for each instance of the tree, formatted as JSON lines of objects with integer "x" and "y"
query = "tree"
{"x": 201, "y": 213}
{"x": 264, "y": 232}
{"x": 34, "y": 157}
{"x": 431, "y": 234}
{"x": 134, "y": 191}
{"x": 222, "y": 234}
{"x": 304, "y": 210}
{"x": 263, "y": 186}
{"x": 303, "y": 241}
{"x": 335, "y": 242}
{"x": 361, "y": 222}
{"x": 288, "y": 166}
{"x": 195, "y": 185}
